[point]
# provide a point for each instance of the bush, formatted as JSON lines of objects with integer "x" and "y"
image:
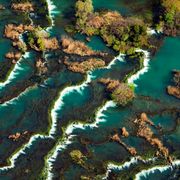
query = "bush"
{"x": 169, "y": 17}
{"x": 35, "y": 40}
{"x": 83, "y": 9}
{"x": 123, "y": 94}
{"x": 77, "y": 157}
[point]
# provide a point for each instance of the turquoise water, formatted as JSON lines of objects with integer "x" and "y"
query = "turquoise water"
{"x": 116, "y": 117}
{"x": 115, "y": 5}
{"x": 30, "y": 111}
{"x": 159, "y": 75}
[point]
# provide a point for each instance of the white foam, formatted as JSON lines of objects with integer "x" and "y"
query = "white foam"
{"x": 99, "y": 118}
{"x": 134, "y": 160}
{"x": 52, "y": 12}
{"x": 14, "y": 72}
{"x": 151, "y": 31}
{"x": 78, "y": 88}
{"x": 126, "y": 165}
{"x": 21, "y": 152}
{"x": 59, "y": 103}
{"x": 53, "y": 157}
{"x": 161, "y": 169}
{"x": 57, "y": 106}
{"x": 145, "y": 68}
{"x": 63, "y": 144}
{"x": 120, "y": 57}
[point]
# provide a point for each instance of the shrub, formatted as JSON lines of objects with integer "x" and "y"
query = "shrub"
{"x": 123, "y": 94}
{"x": 77, "y": 157}
{"x": 35, "y": 40}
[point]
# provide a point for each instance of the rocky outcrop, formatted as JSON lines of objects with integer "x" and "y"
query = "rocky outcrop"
{"x": 39, "y": 40}
{"x": 18, "y": 136}
{"x": 51, "y": 43}
{"x": 24, "y": 7}
{"x": 76, "y": 47}
{"x": 145, "y": 119}
{"x": 20, "y": 45}
{"x": 14, "y": 137}
{"x": 132, "y": 151}
{"x": 175, "y": 90}
{"x": 116, "y": 138}
{"x": 14, "y": 56}
{"x": 124, "y": 132}
{"x": 41, "y": 67}
{"x": 13, "y": 31}
{"x": 144, "y": 131}
{"x": 84, "y": 66}
{"x": 84, "y": 58}
{"x": 110, "y": 84}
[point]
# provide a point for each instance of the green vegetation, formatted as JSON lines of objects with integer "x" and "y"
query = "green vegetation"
{"x": 70, "y": 29}
{"x": 124, "y": 38}
{"x": 168, "y": 12}
{"x": 85, "y": 178}
{"x": 83, "y": 10}
{"x": 169, "y": 7}
{"x": 123, "y": 94}
{"x": 77, "y": 157}
{"x": 35, "y": 40}
{"x": 125, "y": 34}
{"x": 122, "y": 34}
{"x": 138, "y": 56}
